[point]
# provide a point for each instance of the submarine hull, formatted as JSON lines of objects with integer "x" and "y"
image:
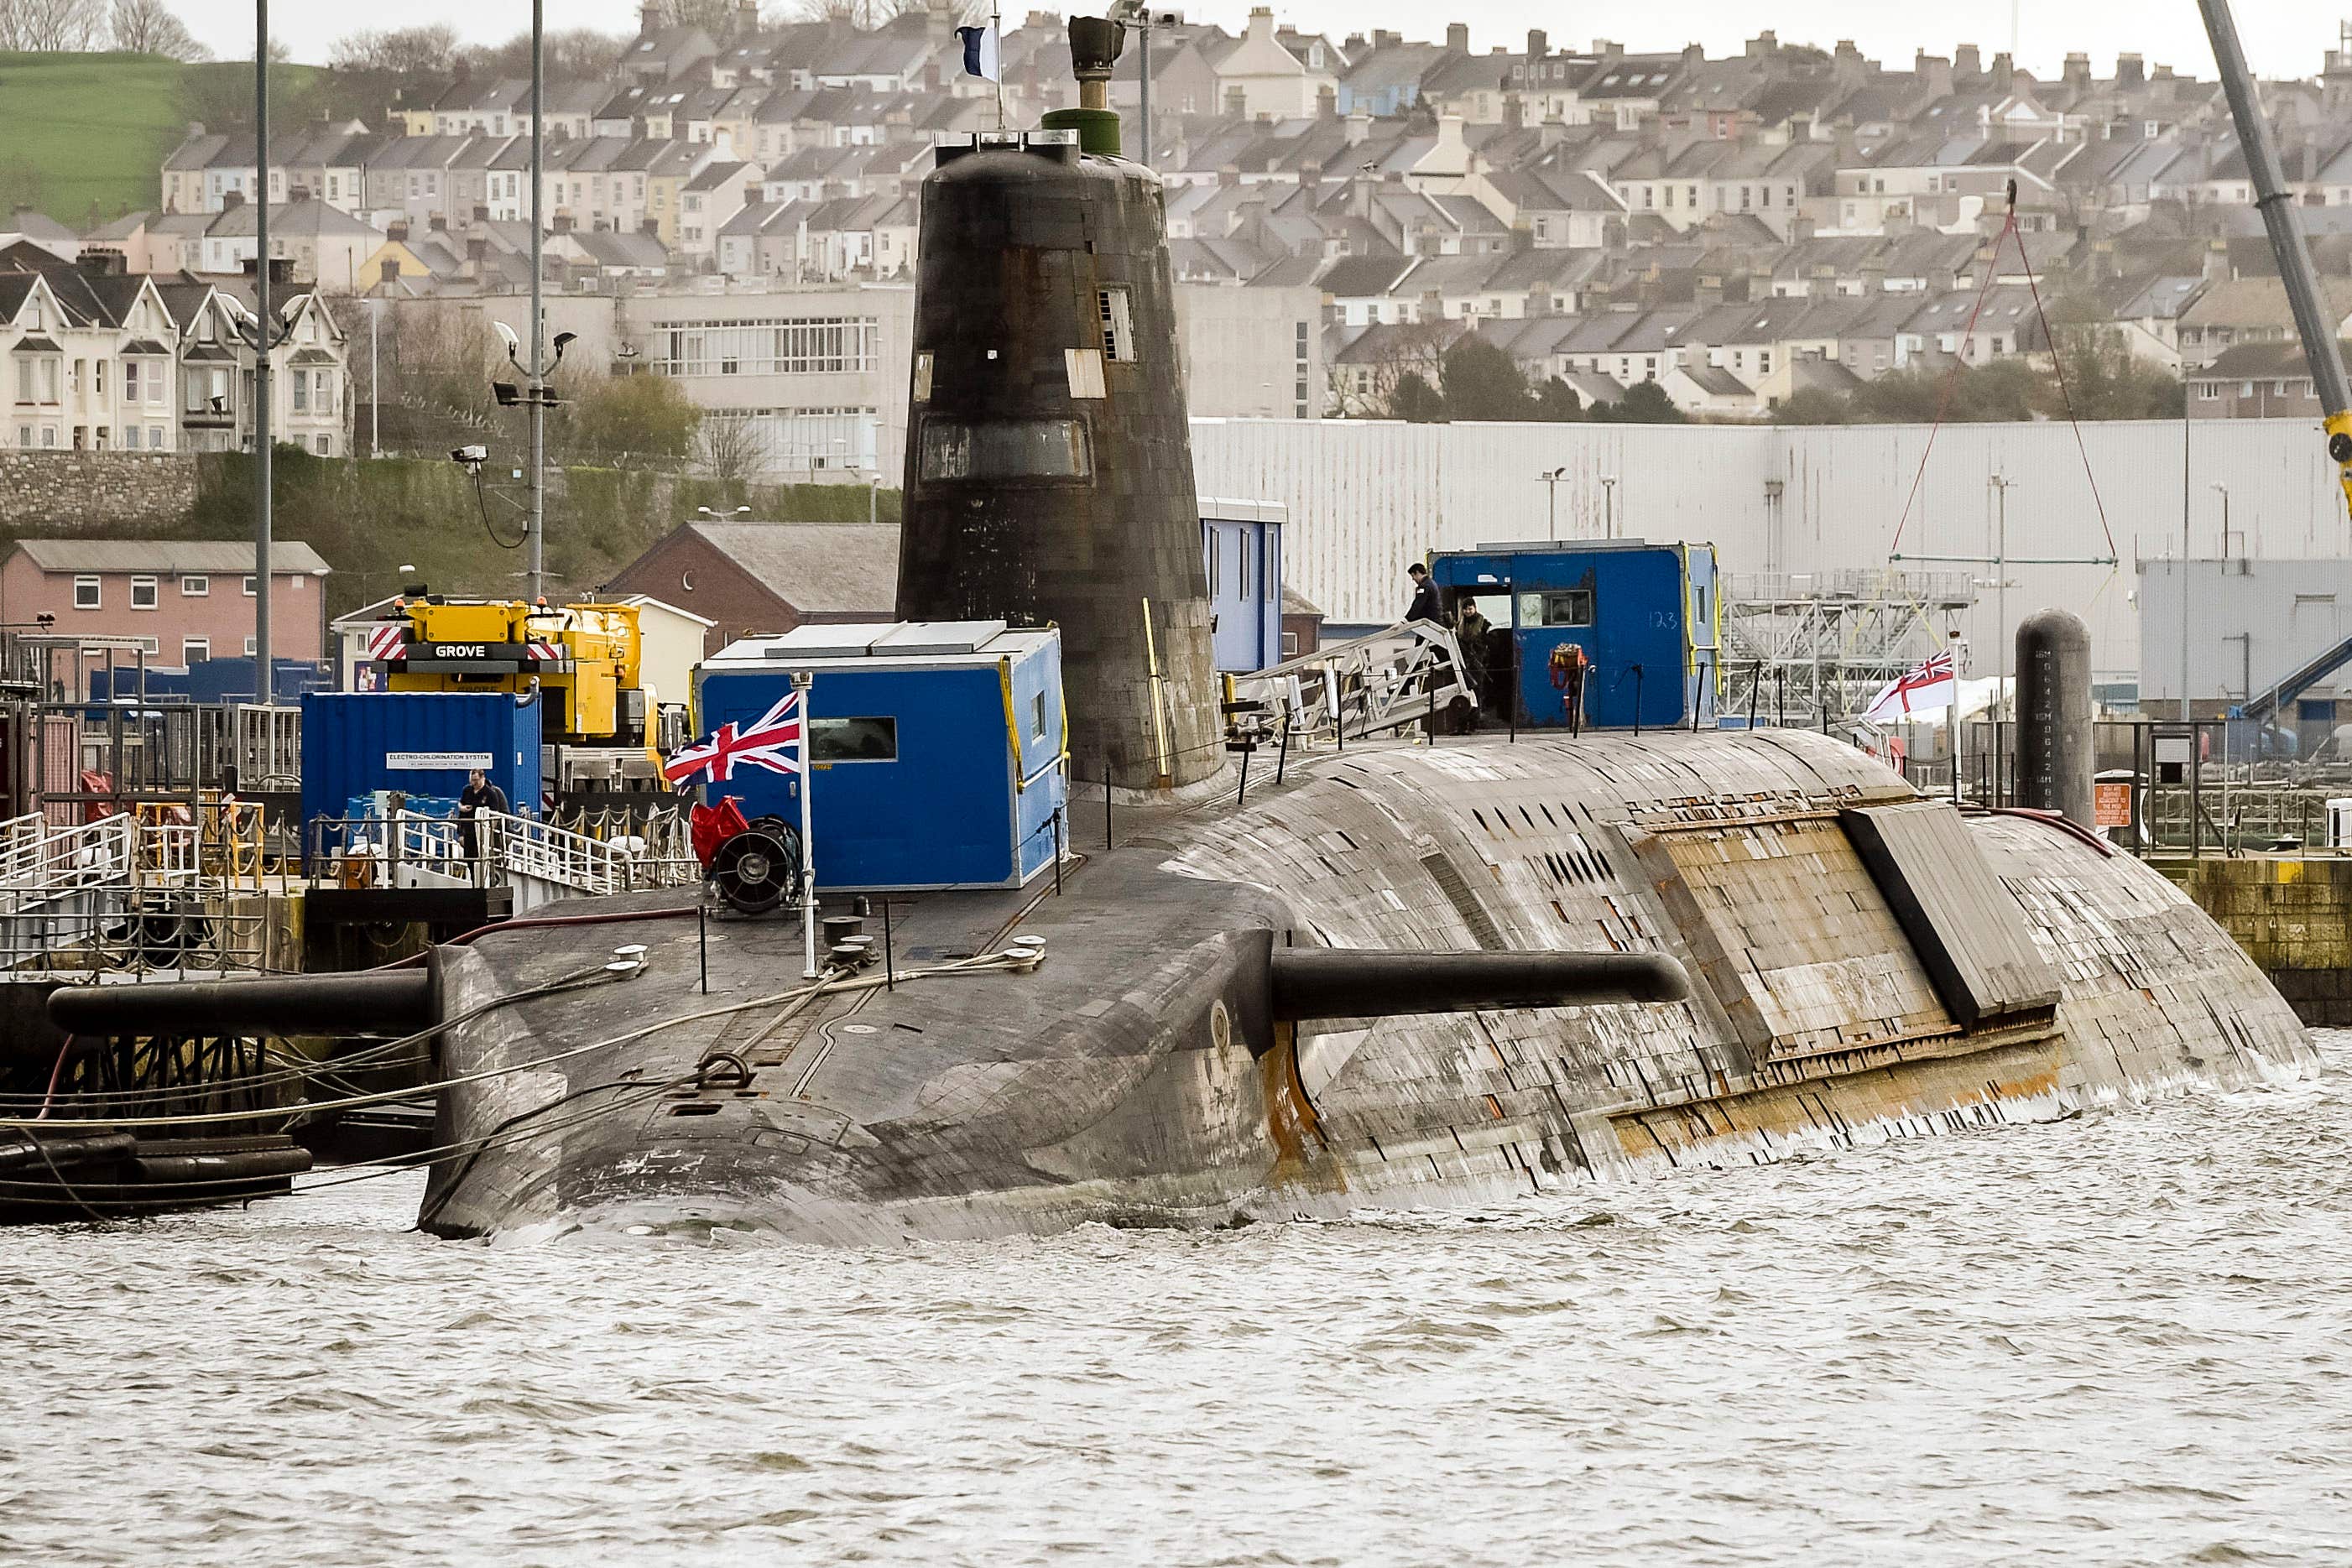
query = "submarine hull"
{"x": 1867, "y": 964}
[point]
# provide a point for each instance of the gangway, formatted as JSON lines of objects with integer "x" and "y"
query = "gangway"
{"x": 1364, "y": 686}
{"x": 539, "y": 861}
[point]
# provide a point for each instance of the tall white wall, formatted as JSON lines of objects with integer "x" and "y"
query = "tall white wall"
{"x": 1366, "y": 498}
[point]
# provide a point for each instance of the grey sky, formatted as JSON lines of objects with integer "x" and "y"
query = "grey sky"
{"x": 2281, "y": 40}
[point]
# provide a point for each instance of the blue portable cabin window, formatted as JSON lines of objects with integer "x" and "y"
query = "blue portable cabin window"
{"x": 869, "y": 739}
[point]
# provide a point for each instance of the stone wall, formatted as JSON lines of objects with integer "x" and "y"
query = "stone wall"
{"x": 54, "y": 495}
{"x": 2293, "y": 918}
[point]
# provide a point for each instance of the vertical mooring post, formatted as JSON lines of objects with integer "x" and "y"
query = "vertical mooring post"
{"x": 2053, "y": 714}
{"x": 889, "y": 961}
{"x": 702, "y": 944}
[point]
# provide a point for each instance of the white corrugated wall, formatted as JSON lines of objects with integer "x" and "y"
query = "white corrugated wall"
{"x": 1366, "y": 498}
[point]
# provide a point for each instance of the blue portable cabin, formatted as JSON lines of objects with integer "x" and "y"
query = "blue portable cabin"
{"x": 1648, "y": 617}
{"x": 1241, "y": 556}
{"x": 420, "y": 743}
{"x": 938, "y": 748}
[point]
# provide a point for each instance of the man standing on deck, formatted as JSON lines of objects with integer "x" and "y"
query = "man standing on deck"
{"x": 479, "y": 795}
{"x": 1424, "y": 595}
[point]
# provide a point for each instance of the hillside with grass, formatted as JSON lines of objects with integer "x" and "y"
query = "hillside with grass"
{"x": 80, "y": 132}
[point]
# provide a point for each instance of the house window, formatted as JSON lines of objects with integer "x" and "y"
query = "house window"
{"x": 320, "y": 442}
{"x": 195, "y": 650}
{"x": 248, "y": 647}
{"x": 2280, "y": 388}
{"x": 301, "y": 391}
{"x": 2209, "y": 392}
{"x": 248, "y": 585}
{"x": 142, "y": 593}
{"x": 195, "y": 586}
{"x": 86, "y": 593}
{"x": 131, "y": 380}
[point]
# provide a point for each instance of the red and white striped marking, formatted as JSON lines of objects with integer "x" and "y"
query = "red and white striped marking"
{"x": 546, "y": 651}
{"x": 386, "y": 642}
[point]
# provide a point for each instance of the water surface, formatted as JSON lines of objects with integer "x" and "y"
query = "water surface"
{"x": 2118, "y": 1340}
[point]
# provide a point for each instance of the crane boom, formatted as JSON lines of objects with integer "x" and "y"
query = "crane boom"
{"x": 2313, "y": 323}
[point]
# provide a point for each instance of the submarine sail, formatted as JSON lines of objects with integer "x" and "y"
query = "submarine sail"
{"x": 1049, "y": 466}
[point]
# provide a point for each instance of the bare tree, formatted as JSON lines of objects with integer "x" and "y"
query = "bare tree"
{"x": 149, "y": 27}
{"x": 52, "y": 26}
{"x": 731, "y": 447}
{"x": 572, "y": 53}
{"x": 427, "y": 50}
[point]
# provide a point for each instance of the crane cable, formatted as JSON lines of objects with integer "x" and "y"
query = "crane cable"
{"x": 2009, "y": 230}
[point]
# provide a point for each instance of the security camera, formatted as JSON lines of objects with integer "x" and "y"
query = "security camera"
{"x": 507, "y": 336}
{"x": 471, "y": 456}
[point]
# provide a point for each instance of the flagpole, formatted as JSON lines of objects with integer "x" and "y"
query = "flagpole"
{"x": 996, "y": 31}
{"x": 801, "y": 681}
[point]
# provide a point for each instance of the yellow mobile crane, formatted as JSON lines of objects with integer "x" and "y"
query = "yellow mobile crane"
{"x": 585, "y": 660}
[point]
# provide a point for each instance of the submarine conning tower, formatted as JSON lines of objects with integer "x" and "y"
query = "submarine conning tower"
{"x": 1049, "y": 466}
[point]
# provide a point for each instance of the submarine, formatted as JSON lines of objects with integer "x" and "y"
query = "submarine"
{"x": 1399, "y": 974}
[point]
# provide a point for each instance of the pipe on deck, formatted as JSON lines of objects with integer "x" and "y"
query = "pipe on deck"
{"x": 398, "y": 1000}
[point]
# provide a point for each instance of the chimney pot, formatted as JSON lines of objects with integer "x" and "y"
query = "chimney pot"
{"x": 1457, "y": 36}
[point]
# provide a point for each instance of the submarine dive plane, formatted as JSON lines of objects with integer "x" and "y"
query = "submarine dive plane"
{"x": 1406, "y": 974}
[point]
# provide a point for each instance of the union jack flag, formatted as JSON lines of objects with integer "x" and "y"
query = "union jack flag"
{"x": 385, "y": 641}
{"x": 768, "y": 741}
{"x": 1935, "y": 684}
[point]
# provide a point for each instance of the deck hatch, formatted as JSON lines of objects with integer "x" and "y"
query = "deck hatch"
{"x": 1970, "y": 934}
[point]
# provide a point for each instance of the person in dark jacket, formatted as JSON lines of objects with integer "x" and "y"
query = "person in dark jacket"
{"x": 479, "y": 795}
{"x": 1424, "y": 595}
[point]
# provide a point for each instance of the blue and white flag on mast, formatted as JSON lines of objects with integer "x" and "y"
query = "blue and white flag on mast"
{"x": 980, "y": 53}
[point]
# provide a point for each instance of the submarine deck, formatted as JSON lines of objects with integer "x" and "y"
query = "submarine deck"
{"x": 1130, "y": 1071}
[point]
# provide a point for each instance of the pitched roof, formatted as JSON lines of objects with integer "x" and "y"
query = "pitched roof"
{"x": 166, "y": 557}
{"x": 814, "y": 566}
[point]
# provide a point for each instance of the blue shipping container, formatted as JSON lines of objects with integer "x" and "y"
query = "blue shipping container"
{"x": 939, "y": 749}
{"x": 354, "y": 743}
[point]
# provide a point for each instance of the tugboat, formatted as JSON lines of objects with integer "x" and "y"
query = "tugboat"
{"x": 1405, "y": 974}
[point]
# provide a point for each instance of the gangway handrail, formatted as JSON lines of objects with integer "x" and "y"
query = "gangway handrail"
{"x": 1381, "y": 681}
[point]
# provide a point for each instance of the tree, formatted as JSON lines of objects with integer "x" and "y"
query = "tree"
{"x": 621, "y": 421}
{"x": 52, "y": 26}
{"x": 580, "y": 54}
{"x": 1644, "y": 403}
{"x": 1413, "y": 399}
{"x": 149, "y": 27}
{"x": 1557, "y": 402}
{"x": 731, "y": 447}
{"x": 2105, "y": 380}
{"x": 1482, "y": 382}
{"x": 1812, "y": 406}
{"x": 427, "y": 50}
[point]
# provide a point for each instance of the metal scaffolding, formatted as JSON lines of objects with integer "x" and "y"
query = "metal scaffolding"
{"x": 1799, "y": 647}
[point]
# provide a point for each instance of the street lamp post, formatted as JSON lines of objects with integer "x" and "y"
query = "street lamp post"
{"x": 1609, "y": 505}
{"x": 1551, "y": 478}
{"x": 2000, "y": 484}
{"x": 2224, "y": 491}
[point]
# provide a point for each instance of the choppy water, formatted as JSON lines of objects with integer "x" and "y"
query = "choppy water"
{"x": 2121, "y": 1340}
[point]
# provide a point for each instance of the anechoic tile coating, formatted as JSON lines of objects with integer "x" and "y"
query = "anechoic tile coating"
{"x": 1136, "y": 1077}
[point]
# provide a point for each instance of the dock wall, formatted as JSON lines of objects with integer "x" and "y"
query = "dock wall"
{"x": 2293, "y": 918}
